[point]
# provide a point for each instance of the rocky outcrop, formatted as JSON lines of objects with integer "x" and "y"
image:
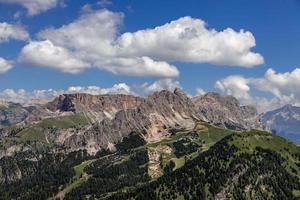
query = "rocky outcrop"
{"x": 225, "y": 111}
{"x": 80, "y": 102}
{"x": 152, "y": 119}
{"x": 94, "y": 107}
{"x": 155, "y": 160}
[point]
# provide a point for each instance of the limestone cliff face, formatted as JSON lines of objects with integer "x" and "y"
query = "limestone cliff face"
{"x": 225, "y": 111}
{"x": 95, "y": 107}
{"x": 79, "y": 102}
{"x": 151, "y": 118}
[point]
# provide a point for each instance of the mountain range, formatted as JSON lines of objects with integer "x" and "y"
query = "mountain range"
{"x": 284, "y": 121}
{"x": 163, "y": 146}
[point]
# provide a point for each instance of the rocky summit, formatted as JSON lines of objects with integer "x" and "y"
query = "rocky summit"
{"x": 226, "y": 111}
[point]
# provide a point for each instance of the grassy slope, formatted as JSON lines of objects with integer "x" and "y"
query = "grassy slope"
{"x": 203, "y": 134}
{"x": 246, "y": 143}
{"x": 35, "y": 132}
{"x": 79, "y": 178}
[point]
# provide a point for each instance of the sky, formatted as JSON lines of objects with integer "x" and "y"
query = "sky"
{"x": 245, "y": 48}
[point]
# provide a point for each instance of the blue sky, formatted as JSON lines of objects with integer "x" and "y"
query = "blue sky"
{"x": 274, "y": 24}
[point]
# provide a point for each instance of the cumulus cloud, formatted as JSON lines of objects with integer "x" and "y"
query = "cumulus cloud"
{"x": 94, "y": 38}
{"x": 189, "y": 40}
{"x": 283, "y": 87}
{"x": 236, "y": 86}
{"x": 24, "y": 97}
{"x": 120, "y": 88}
{"x": 12, "y": 32}
{"x": 200, "y": 91}
{"x": 27, "y": 97}
{"x": 88, "y": 42}
{"x": 35, "y": 7}
{"x": 162, "y": 84}
{"x": 42, "y": 96}
{"x": 139, "y": 66}
{"x": 46, "y": 54}
{"x": 5, "y": 65}
{"x": 280, "y": 85}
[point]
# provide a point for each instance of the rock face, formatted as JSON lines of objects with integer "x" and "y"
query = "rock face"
{"x": 225, "y": 111}
{"x": 284, "y": 121}
{"x": 96, "y": 107}
{"x": 151, "y": 118}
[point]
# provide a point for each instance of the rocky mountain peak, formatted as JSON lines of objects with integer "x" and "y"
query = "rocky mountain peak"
{"x": 227, "y": 112}
{"x": 212, "y": 97}
{"x": 180, "y": 92}
{"x": 79, "y": 101}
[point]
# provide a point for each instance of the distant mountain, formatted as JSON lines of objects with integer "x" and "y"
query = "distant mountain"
{"x": 284, "y": 121}
{"x": 12, "y": 113}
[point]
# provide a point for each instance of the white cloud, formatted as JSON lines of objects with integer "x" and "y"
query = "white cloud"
{"x": 236, "y": 86}
{"x": 17, "y": 96}
{"x": 139, "y": 66}
{"x": 120, "y": 88}
{"x": 34, "y": 7}
{"x": 41, "y": 96}
{"x": 283, "y": 88}
{"x": 11, "y": 31}
{"x": 94, "y": 39}
{"x": 92, "y": 34}
{"x": 162, "y": 84}
{"x": 200, "y": 91}
{"x": 280, "y": 84}
{"x": 46, "y": 54}
{"x": 188, "y": 40}
{"x": 5, "y": 65}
